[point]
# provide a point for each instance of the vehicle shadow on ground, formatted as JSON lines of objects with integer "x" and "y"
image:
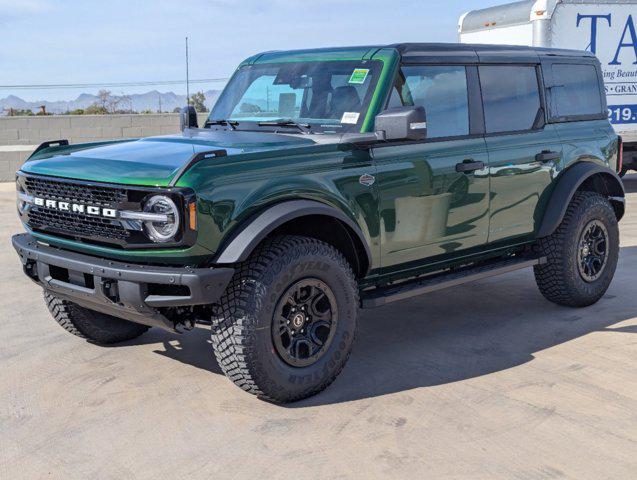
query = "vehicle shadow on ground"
{"x": 192, "y": 348}
{"x": 445, "y": 337}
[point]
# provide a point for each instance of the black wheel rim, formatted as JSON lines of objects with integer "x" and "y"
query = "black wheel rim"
{"x": 304, "y": 322}
{"x": 593, "y": 251}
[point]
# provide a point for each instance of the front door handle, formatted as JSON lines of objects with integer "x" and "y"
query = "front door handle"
{"x": 469, "y": 166}
{"x": 547, "y": 156}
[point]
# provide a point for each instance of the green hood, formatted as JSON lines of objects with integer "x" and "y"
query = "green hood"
{"x": 151, "y": 161}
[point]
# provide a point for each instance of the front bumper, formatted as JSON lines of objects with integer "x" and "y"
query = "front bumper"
{"x": 137, "y": 293}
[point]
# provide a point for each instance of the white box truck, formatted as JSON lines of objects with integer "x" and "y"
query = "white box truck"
{"x": 608, "y": 28}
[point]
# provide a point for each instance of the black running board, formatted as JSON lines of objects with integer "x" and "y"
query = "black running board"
{"x": 446, "y": 279}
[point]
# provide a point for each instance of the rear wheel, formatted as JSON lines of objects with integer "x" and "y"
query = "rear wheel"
{"x": 94, "y": 326}
{"x": 287, "y": 320}
{"x": 581, "y": 254}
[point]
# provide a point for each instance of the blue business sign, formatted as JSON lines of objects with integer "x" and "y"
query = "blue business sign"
{"x": 613, "y": 38}
{"x": 622, "y": 114}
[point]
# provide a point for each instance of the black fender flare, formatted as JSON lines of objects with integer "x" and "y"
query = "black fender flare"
{"x": 569, "y": 182}
{"x": 243, "y": 242}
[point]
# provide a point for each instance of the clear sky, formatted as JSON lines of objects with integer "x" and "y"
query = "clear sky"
{"x": 86, "y": 41}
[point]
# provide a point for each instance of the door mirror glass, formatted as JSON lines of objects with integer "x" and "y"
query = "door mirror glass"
{"x": 402, "y": 123}
{"x": 188, "y": 118}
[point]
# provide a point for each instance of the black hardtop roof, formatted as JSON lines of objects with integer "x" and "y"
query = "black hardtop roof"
{"x": 478, "y": 53}
{"x": 483, "y": 48}
{"x": 442, "y": 53}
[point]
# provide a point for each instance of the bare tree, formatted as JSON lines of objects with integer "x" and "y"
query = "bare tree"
{"x": 104, "y": 98}
{"x": 126, "y": 100}
{"x": 108, "y": 102}
{"x": 113, "y": 103}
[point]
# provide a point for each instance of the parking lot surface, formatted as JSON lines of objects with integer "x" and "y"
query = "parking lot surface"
{"x": 487, "y": 380}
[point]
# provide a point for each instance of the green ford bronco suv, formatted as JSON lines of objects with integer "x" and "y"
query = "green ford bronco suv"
{"x": 324, "y": 181}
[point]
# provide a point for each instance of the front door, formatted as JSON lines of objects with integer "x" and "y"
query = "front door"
{"x": 434, "y": 194}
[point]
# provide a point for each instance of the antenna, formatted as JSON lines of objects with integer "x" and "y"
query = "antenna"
{"x": 187, "y": 76}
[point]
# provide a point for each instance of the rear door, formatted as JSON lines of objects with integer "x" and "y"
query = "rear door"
{"x": 524, "y": 151}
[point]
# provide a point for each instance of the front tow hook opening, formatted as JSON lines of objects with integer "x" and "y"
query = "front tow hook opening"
{"x": 110, "y": 290}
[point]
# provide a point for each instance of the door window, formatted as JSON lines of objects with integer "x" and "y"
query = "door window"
{"x": 576, "y": 91}
{"x": 443, "y": 93}
{"x": 511, "y": 97}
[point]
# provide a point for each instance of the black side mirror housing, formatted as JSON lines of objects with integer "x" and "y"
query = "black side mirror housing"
{"x": 402, "y": 123}
{"x": 188, "y": 118}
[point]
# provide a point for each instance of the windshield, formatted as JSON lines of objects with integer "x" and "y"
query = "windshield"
{"x": 327, "y": 97}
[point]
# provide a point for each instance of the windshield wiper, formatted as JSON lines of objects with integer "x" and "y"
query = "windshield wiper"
{"x": 231, "y": 123}
{"x": 287, "y": 123}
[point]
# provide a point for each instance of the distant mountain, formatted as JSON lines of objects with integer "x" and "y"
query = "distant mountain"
{"x": 137, "y": 102}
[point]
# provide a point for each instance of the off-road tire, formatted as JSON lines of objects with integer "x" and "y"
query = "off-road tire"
{"x": 93, "y": 326}
{"x": 241, "y": 328}
{"x": 559, "y": 279}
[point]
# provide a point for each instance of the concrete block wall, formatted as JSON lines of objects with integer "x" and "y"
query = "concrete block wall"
{"x": 19, "y": 136}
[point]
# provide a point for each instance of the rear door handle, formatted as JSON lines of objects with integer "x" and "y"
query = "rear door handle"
{"x": 547, "y": 156}
{"x": 469, "y": 166}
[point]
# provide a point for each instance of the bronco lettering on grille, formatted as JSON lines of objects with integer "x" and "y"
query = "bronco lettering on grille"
{"x": 75, "y": 207}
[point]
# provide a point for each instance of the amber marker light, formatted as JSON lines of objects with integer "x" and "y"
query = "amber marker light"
{"x": 192, "y": 215}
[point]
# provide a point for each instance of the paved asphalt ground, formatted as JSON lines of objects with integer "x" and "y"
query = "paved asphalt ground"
{"x": 482, "y": 381}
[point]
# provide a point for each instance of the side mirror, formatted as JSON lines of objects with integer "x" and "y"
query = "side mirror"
{"x": 188, "y": 118}
{"x": 402, "y": 123}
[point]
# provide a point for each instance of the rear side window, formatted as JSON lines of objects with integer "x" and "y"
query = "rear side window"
{"x": 575, "y": 91}
{"x": 511, "y": 97}
{"x": 442, "y": 91}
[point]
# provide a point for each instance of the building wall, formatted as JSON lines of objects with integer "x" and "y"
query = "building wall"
{"x": 19, "y": 136}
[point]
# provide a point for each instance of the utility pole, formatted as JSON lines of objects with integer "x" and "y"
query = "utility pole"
{"x": 187, "y": 76}
{"x": 159, "y": 96}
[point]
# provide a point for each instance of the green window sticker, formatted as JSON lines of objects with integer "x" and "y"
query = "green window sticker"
{"x": 359, "y": 75}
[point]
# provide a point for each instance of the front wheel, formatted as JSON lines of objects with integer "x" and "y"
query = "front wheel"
{"x": 581, "y": 254}
{"x": 287, "y": 321}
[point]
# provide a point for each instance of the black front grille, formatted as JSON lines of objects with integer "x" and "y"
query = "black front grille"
{"x": 89, "y": 194}
{"x": 76, "y": 225}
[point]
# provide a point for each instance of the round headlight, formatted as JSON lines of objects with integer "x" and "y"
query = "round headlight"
{"x": 166, "y": 226}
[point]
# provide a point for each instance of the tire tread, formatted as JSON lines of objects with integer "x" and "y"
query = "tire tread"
{"x": 553, "y": 277}
{"x": 234, "y": 326}
{"x": 89, "y": 325}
